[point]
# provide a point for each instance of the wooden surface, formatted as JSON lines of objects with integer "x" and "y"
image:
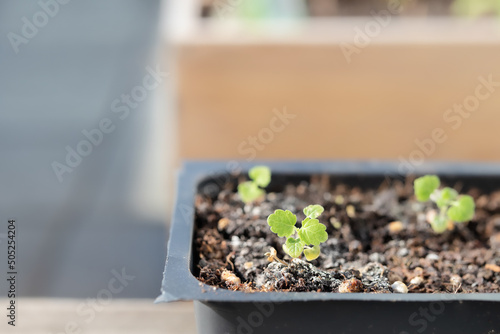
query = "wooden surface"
{"x": 375, "y": 107}
{"x": 46, "y": 315}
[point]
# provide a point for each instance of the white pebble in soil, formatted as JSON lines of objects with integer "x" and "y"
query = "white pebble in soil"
{"x": 256, "y": 211}
{"x": 417, "y": 280}
{"x": 455, "y": 280}
{"x": 432, "y": 257}
{"x": 229, "y": 277}
{"x": 235, "y": 241}
{"x": 377, "y": 257}
{"x": 399, "y": 287}
{"x": 247, "y": 208}
{"x": 402, "y": 252}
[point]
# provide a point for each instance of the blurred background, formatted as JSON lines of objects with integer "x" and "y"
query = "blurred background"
{"x": 101, "y": 101}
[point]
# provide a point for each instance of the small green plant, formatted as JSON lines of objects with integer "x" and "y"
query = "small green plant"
{"x": 305, "y": 239}
{"x": 476, "y": 8}
{"x": 452, "y": 206}
{"x": 260, "y": 177}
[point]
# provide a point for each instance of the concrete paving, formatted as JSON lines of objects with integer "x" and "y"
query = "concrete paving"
{"x": 118, "y": 316}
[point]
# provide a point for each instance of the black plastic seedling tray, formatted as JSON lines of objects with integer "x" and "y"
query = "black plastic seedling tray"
{"x": 220, "y": 311}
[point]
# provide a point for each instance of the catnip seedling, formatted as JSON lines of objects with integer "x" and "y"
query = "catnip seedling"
{"x": 260, "y": 177}
{"x": 305, "y": 239}
{"x": 452, "y": 206}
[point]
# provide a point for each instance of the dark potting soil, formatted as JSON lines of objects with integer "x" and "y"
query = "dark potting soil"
{"x": 376, "y": 238}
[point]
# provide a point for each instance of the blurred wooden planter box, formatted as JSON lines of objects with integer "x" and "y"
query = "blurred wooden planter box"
{"x": 398, "y": 95}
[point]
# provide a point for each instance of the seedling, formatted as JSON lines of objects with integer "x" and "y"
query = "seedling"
{"x": 452, "y": 206}
{"x": 305, "y": 239}
{"x": 260, "y": 177}
{"x": 476, "y": 8}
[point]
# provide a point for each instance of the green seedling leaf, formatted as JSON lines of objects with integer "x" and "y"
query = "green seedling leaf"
{"x": 462, "y": 210}
{"x": 261, "y": 175}
{"x": 313, "y": 232}
{"x": 312, "y": 253}
{"x": 282, "y": 223}
{"x": 444, "y": 197}
{"x": 294, "y": 247}
{"x": 425, "y": 186}
{"x": 453, "y": 207}
{"x": 475, "y": 8}
{"x": 313, "y": 211}
{"x": 249, "y": 191}
{"x": 439, "y": 224}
